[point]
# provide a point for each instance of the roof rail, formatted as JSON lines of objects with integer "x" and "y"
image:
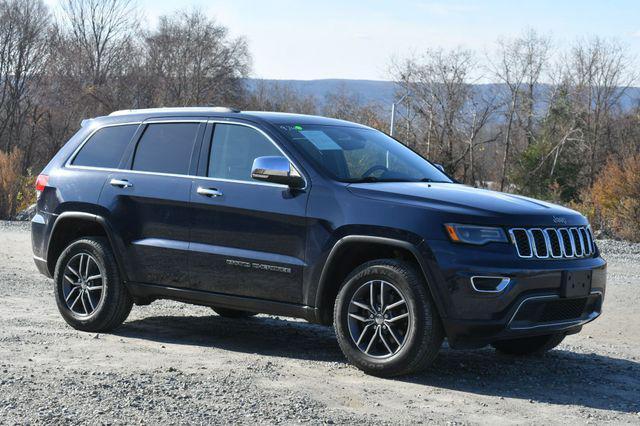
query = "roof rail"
{"x": 174, "y": 109}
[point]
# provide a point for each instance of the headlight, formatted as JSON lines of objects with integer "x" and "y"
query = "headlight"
{"x": 472, "y": 234}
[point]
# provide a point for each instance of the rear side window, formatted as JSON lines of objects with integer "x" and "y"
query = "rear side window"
{"x": 233, "y": 150}
{"x": 166, "y": 148}
{"x": 105, "y": 147}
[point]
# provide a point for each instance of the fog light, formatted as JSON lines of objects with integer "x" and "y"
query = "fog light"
{"x": 490, "y": 284}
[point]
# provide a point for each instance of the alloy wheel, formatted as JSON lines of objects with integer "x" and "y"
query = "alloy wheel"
{"x": 83, "y": 285}
{"x": 379, "y": 319}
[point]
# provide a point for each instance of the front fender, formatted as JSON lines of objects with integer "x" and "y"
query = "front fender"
{"x": 415, "y": 246}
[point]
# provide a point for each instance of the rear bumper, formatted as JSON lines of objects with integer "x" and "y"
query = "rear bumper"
{"x": 41, "y": 226}
{"x": 531, "y": 304}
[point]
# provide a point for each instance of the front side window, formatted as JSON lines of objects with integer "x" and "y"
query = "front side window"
{"x": 353, "y": 154}
{"x": 105, "y": 147}
{"x": 233, "y": 149}
{"x": 166, "y": 148}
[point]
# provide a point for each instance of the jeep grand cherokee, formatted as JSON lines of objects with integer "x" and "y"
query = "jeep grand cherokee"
{"x": 310, "y": 217}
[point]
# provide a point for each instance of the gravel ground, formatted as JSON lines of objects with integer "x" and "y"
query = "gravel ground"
{"x": 175, "y": 363}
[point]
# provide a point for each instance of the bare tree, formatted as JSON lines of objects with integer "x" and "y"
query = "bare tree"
{"x": 599, "y": 72}
{"x": 275, "y": 96}
{"x": 96, "y": 42}
{"x": 195, "y": 62}
{"x": 447, "y": 108}
{"x": 511, "y": 70}
{"x": 344, "y": 105}
{"x": 479, "y": 114}
{"x": 535, "y": 49}
{"x": 100, "y": 28}
{"x": 23, "y": 43}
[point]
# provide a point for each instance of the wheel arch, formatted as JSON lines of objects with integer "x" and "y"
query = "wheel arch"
{"x": 364, "y": 248}
{"x": 70, "y": 226}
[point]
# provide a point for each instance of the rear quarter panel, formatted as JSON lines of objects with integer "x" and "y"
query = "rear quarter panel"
{"x": 68, "y": 189}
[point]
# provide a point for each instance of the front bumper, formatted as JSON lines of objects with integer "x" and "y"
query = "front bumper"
{"x": 465, "y": 334}
{"x": 532, "y": 304}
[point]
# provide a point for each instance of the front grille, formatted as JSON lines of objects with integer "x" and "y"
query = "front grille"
{"x": 565, "y": 236}
{"x": 539, "y": 243}
{"x": 556, "y": 243}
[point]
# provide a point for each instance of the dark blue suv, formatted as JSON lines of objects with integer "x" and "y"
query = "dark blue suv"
{"x": 310, "y": 217}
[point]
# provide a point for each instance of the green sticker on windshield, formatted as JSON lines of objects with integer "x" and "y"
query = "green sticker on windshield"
{"x": 298, "y": 128}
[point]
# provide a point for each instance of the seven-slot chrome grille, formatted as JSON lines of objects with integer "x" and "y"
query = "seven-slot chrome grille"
{"x": 552, "y": 243}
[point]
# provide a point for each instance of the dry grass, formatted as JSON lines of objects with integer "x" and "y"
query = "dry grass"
{"x": 16, "y": 190}
{"x": 614, "y": 199}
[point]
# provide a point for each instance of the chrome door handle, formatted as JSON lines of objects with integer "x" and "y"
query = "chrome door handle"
{"x": 209, "y": 192}
{"x": 121, "y": 183}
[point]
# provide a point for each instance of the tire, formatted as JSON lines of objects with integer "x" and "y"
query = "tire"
{"x": 232, "y": 313}
{"x": 528, "y": 346}
{"x": 393, "y": 352}
{"x": 106, "y": 308}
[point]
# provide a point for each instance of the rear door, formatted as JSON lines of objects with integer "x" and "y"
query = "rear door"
{"x": 148, "y": 201}
{"x": 247, "y": 237}
{"x": 88, "y": 168}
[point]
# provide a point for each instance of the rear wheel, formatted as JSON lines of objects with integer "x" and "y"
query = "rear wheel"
{"x": 233, "y": 313}
{"x": 89, "y": 291}
{"x": 385, "y": 321}
{"x": 528, "y": 345}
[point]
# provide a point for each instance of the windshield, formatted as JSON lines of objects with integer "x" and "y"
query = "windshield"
{"x": 352, "y": 154}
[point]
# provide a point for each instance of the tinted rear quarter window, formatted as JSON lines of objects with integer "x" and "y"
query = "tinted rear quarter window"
{"x": 166, "y": 148}
{"x": 105, "y": 147}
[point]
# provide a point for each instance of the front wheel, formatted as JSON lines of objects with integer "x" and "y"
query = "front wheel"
{"x": 529, "y": 345}
{"x": 385, "y": 320}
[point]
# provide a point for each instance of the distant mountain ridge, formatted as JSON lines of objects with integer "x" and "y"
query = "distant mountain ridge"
{"x": 383, "y": 92}
{"x": 367, "y": 91}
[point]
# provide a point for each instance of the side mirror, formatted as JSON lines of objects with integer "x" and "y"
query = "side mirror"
{"x": 439, "y": 167}
{"x": 276, "y": 170}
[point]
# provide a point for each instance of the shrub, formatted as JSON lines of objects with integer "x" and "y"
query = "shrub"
{"x": 16, "y": 189}
{"x": 615, "y": 198}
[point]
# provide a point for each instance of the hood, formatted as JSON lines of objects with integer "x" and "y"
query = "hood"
{"x": 462, "y": 200}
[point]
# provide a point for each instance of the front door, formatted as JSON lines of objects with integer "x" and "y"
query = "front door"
{"x": 247, "y": 237}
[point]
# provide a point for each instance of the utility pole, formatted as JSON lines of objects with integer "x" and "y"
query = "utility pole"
{"x": 393, "y": 111}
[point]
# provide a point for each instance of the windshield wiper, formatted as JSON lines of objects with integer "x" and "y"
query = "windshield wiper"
{"x": 429, "y": 180}
{"x": 373, "y": 179}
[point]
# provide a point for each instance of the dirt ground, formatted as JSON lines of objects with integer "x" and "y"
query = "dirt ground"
{"x": 175, "y": 363}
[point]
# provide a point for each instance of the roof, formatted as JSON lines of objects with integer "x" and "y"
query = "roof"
{"x": 275, "y": 118}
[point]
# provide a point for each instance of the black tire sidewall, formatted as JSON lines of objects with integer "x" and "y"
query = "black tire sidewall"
{"x": 111, "y": 282}
{"x": 418, "y": 307}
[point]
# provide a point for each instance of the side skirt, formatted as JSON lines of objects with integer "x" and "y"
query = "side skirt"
{"x": 146, "y": 293}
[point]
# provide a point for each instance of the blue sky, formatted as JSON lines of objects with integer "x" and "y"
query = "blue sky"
{"x": 302, "y": 39}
